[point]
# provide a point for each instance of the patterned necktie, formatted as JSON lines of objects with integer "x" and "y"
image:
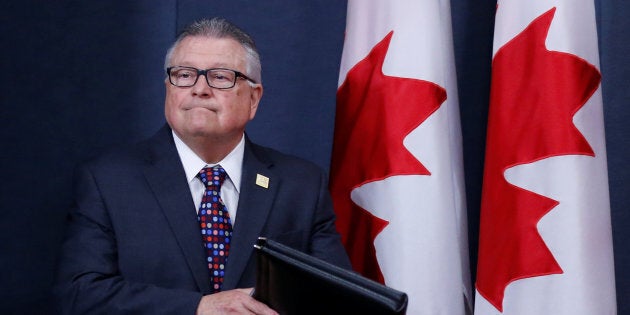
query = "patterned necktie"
{"x": 216, "y": 226}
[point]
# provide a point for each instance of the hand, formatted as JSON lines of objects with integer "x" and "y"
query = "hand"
{"x": 236, "y": 301}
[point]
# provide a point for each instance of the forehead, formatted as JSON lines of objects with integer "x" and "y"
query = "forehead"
{"x": 207, "y": 52}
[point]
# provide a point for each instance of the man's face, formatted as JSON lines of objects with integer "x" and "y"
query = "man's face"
{"x": 202, "y": 111}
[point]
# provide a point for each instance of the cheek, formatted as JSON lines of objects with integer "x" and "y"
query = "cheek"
{"x": 243, "y": 106}
{"x": 171, "y": 106}
{"x": 168, "y": 106}
{"x": 243, "y": 112}
{"x": 173, "y": 100}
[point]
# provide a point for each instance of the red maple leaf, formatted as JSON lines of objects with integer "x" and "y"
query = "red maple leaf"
{"x": 535, "y": 94}
{"x": 374, "y": 114}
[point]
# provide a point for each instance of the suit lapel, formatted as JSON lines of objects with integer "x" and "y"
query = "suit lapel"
{"x": 254, "y": 205}
{"x": 167, "y": 179}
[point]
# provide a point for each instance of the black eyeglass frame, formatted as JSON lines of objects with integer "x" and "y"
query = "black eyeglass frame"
{"x": 204, "y": 72}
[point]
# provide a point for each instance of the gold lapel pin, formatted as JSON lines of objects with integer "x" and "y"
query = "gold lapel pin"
{"x": 262, "y": 181}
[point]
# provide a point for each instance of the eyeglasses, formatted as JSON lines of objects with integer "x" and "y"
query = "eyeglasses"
{"x": 218, "y": 78}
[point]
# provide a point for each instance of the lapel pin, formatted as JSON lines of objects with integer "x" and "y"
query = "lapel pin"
{"x": 262, "y": 181}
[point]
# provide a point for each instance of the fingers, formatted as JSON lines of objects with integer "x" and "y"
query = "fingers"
{"x": 259, "y": 308}
{"x": 247, "y": 291}
{"x": 236, "y": 301}
{"x": 255, "y": 306}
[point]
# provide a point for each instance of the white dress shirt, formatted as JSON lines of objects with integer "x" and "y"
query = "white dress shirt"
{"x": 232, "y": 164}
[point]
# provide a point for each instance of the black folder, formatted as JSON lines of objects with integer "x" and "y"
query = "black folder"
{"x": 292, "y": 282}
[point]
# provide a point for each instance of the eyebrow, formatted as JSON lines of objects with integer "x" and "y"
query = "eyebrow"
{"x": 218, "y": 65}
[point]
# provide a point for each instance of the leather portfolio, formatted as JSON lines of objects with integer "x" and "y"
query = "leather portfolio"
{"x": 292, "y": 282}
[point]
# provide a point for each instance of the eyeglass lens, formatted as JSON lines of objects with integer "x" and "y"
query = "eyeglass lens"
{"x": 218, "y": 78}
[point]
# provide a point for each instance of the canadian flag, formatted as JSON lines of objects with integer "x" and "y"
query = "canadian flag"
{"x": 545, "y": 244}
{"x": 397, "y": 170}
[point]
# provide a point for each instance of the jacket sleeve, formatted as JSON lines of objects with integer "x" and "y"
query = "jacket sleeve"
{"x": 325, "y": 240}
{"x": 89, "y": 280}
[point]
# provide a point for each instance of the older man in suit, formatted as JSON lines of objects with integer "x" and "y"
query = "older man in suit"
{"x": 137, "y": 239}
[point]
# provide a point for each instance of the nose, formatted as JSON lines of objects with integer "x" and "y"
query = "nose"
{"x": 201, "y": 87}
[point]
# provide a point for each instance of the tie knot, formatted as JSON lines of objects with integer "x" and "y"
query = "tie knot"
{"x": 212, "y": 176}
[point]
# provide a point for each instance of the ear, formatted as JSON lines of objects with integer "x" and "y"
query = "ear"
{"x": 255, "y": 96}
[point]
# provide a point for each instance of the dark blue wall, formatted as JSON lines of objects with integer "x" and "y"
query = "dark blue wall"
{"x": 79, "y": 76}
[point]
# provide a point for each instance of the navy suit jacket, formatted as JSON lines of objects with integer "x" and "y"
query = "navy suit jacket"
{"x": 133, "y": 243}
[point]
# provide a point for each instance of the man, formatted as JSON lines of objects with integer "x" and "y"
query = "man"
{"x": 134, "y": 240}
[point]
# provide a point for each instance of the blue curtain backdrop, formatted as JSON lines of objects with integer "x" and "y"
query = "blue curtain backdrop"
{"x": 81, "y": 76}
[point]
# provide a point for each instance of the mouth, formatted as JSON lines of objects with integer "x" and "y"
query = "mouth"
{"x": 201, "y": 107}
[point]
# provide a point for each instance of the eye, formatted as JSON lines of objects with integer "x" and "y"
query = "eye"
{"x": 220, "y": 75}
{"x": 184, "y": 74}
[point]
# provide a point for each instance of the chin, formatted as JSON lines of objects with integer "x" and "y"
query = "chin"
{"x": 201, "y": 132}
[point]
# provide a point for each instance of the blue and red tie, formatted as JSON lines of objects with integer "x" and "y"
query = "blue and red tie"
{"x": 216, "y": 226}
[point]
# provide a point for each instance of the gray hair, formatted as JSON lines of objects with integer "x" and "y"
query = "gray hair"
{"x": 221, "y": 28}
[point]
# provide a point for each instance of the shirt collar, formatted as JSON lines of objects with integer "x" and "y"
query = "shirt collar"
{"x": 192, "y": 163}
